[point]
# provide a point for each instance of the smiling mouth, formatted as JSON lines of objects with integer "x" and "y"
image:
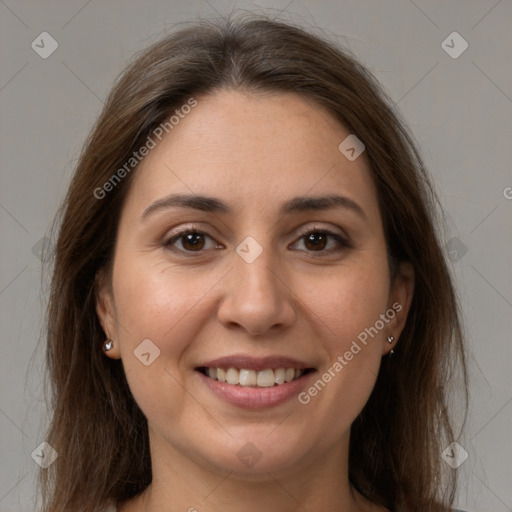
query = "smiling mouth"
{"x": 244, "y": 377}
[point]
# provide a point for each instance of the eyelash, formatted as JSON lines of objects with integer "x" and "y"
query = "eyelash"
{"x": 342, "y": 242}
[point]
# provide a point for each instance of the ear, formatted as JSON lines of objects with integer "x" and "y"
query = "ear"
{"x": 105, "y": 309}
{"x": 400, "y": 299}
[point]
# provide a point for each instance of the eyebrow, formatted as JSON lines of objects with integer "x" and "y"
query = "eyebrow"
{"x": 294, "y": 205}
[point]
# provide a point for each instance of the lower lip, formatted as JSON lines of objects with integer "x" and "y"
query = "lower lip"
{"x": 253, "y": 397}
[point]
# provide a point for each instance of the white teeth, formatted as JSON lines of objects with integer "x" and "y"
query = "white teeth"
{"x": 221, "y": 375}
{"x": 232, "y": 376}
{"x": 280, "y": 375}
{"x": 266, "y": 378}
{"x": 247, "y": 377}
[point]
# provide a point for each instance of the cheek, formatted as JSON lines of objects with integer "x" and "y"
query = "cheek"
{"x": 156, "y": 301}
{"x": 349, "y": 301}
{"x": 168, "y": 306}
{"x": 349, "y": 305}
{"x": 163, "y": 307}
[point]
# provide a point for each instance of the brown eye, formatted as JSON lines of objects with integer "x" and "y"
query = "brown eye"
{"x": 191, "y": 241}
{"x": 323, "y": 242}
{"x": 315, "y": 241}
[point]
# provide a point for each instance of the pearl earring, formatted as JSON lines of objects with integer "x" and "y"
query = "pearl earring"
{"x": 108, "y": 345}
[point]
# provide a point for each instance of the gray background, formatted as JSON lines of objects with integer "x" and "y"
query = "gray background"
{"x": 458, "y": 109}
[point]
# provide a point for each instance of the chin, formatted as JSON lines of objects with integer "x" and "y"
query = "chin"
{"x": 256, "y": 457}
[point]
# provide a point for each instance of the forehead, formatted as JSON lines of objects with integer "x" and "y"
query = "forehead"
{"x": 247, "y": 147}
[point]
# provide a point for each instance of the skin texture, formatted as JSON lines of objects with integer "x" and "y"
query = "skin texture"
{"x": 254, "y": 152}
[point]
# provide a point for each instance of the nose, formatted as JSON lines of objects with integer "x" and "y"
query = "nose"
{"x": 256, "y": 297}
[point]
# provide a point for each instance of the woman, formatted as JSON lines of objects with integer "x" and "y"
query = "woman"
{"x": 250, "y": 306}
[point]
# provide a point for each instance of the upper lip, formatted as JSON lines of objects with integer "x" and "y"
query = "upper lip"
{"x": 242, "y": 361}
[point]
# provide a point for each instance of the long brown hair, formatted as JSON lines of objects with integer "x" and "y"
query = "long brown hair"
{"x": 96, "y": 426}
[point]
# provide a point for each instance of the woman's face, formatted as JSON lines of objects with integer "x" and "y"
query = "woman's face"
{"x": 287, "y": 270}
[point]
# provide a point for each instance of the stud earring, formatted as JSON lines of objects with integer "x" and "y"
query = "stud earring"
{"x": 390, "y": 340}
{"x": 108, "y": 344}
